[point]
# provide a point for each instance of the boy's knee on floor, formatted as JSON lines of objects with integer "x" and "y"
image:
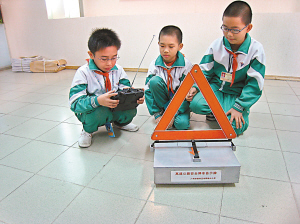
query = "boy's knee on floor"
{"x": 181, "y": 124}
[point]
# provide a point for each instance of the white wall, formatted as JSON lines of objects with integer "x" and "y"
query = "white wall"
{"x": 4, "y": 52}
{"x": 29, "y": 32}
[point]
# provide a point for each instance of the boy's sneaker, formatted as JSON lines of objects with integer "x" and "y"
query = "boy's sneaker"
{"x": 210, "y": 117}
{"x": 129, "y": 127}
{"x": 85, "y": 139}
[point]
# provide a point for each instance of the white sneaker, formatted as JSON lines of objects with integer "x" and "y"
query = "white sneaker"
{"x": 85, "y": 139}
{"x": 128, "y": 127}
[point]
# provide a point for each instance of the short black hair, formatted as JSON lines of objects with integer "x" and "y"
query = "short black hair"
{"x": 239, "y": 9}
{"x": 102, "y": 38}
{"x": 171, "y": 30}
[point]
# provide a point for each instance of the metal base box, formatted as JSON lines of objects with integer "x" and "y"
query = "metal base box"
{"x": 175, "y": 163}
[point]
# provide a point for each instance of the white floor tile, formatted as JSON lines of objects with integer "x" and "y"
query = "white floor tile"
{"x": 289, "y": 141}
{"x": 39, "y": 200}
{"x": 275, "y": 83}
{"x": 33, "y": 156}
{"x": 75, "y": 165}
{"x": 157, "y": 213}
{"x": 56, "y": 114}
{"x": 31, "y": 110}
{"x": 287, "y": 123}
{"x": 137, "y": 147}
{"x": 10, "y": 143}
{"x": 293, "y": 166}
{"x": 280, "y": 98}
{"x": 92, "y": 206}
{"x": 11, "y": 179}
{"x": 296, "y": 90}
{"x": 261, "y": 120}
{"x": 202, "y": 198}
{"x": 285, "y": 109}
{"x": 32, "y": 128}
{"x": 8, "y": 122}
{"x": 262, "y": 163}
{"x": 260, "y": 107}
{"x": 30, "y": 97}
{"x": 296, "y": 190}
{"x": 258, "y": 138}
{"x": 278, "y": 89}
{"x": 225, "y": 220}
{"x": 10, "y": 106}
{"x": 55, "y": 100}
{"x": 63, "y": 134}
{"x": 260, "y": 200}
{"x": 125, "y": 176}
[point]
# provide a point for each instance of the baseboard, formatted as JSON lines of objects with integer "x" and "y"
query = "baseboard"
{"x": 5, "y": 68}
{"x": 283, "y": 78}
{"x": 269, "y": 77}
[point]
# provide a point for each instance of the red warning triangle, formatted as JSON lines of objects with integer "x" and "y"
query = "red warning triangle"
{"x": 226, "y": 131}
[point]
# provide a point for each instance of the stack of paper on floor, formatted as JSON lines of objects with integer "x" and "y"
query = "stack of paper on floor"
{"x": 48, "y": 65}
{"x": 22, "y": 64}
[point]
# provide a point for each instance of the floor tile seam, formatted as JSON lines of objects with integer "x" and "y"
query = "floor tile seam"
{"x": 224, "y": 216}
{"x": 63, "y": 210}
{"x": 290, "y": 115}
{"x": 220, "y": 212}
{"x": 295, "y": 198}
{"x": 130, "y": 157}
{"x": 17, "y": 149}
{"x": 53, "y": 160}
{"x": 19, "y": 107}
{"x": 20, "y": 184}
{"x": 113, "y": 193}
{"x": 237, "y": 145}
{"x": 51, "y": 142}
{"x": 17, "y": 124}
{"x": 264, "y": 178}
{"x": 121, "y": 156}
{"x": 36, "y": 116}
{"x": 137, "y": 218}
{"x": 189, "y": 209}
{"x": 101, "y": 170}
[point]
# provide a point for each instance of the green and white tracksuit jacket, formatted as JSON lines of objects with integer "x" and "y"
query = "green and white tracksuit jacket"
{"x": 87, "y": 86}
{"x": 249, "y": 77}
{"x": 156, "y": 92}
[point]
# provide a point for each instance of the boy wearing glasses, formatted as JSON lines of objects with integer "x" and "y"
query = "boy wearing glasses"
{"x": 95, "y": 83}
{"x": 165, "y": 75}
{"x": 234, "y": 65}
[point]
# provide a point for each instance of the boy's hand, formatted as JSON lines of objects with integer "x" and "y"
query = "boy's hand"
{"x": 191, "y": 94}
{"x": 237, "y": 116}
{"x": 105, "y": 99}
{"x": 141, "y": 100}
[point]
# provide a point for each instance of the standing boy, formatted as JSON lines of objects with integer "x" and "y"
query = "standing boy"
{"x": 165, "y": 75}
{"x": 235, "y": 67}
{"x": 95, "y": 83}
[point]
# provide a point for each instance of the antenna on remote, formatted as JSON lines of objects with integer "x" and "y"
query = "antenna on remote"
{"x": 142, "y": 60}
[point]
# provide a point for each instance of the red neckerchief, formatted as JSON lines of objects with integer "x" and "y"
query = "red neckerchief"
{"x": 234, "y": 64}
{"x": 106, "y": 75}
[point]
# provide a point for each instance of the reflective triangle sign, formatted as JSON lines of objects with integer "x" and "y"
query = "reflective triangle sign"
{"x": 226, "y": 131}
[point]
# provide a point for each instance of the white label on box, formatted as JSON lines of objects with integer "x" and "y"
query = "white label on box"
{"x": 196, "y": 176}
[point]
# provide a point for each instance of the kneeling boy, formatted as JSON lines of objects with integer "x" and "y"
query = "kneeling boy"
{"x": 95, "y": 83}
{"x": 165, "y": 75}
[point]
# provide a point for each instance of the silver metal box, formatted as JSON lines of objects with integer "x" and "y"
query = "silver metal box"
{"x": 174, "y": 163}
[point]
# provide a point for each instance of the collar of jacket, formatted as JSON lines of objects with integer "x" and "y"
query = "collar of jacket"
{"x": 94, "y": 67}
{"x": 244, "y": 48}
{"x": 178, "y": 63}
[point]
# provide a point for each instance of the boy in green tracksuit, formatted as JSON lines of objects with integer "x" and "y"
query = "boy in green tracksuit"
{"x": 95, "y": 83}
{"x": 165, "y": 74}
{"x": 234, "y": 65}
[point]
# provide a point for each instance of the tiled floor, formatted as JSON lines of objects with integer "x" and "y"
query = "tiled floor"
{"x": 46, "y": 178}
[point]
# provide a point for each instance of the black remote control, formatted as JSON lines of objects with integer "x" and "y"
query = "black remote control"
{"x": 127, "y": 99}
